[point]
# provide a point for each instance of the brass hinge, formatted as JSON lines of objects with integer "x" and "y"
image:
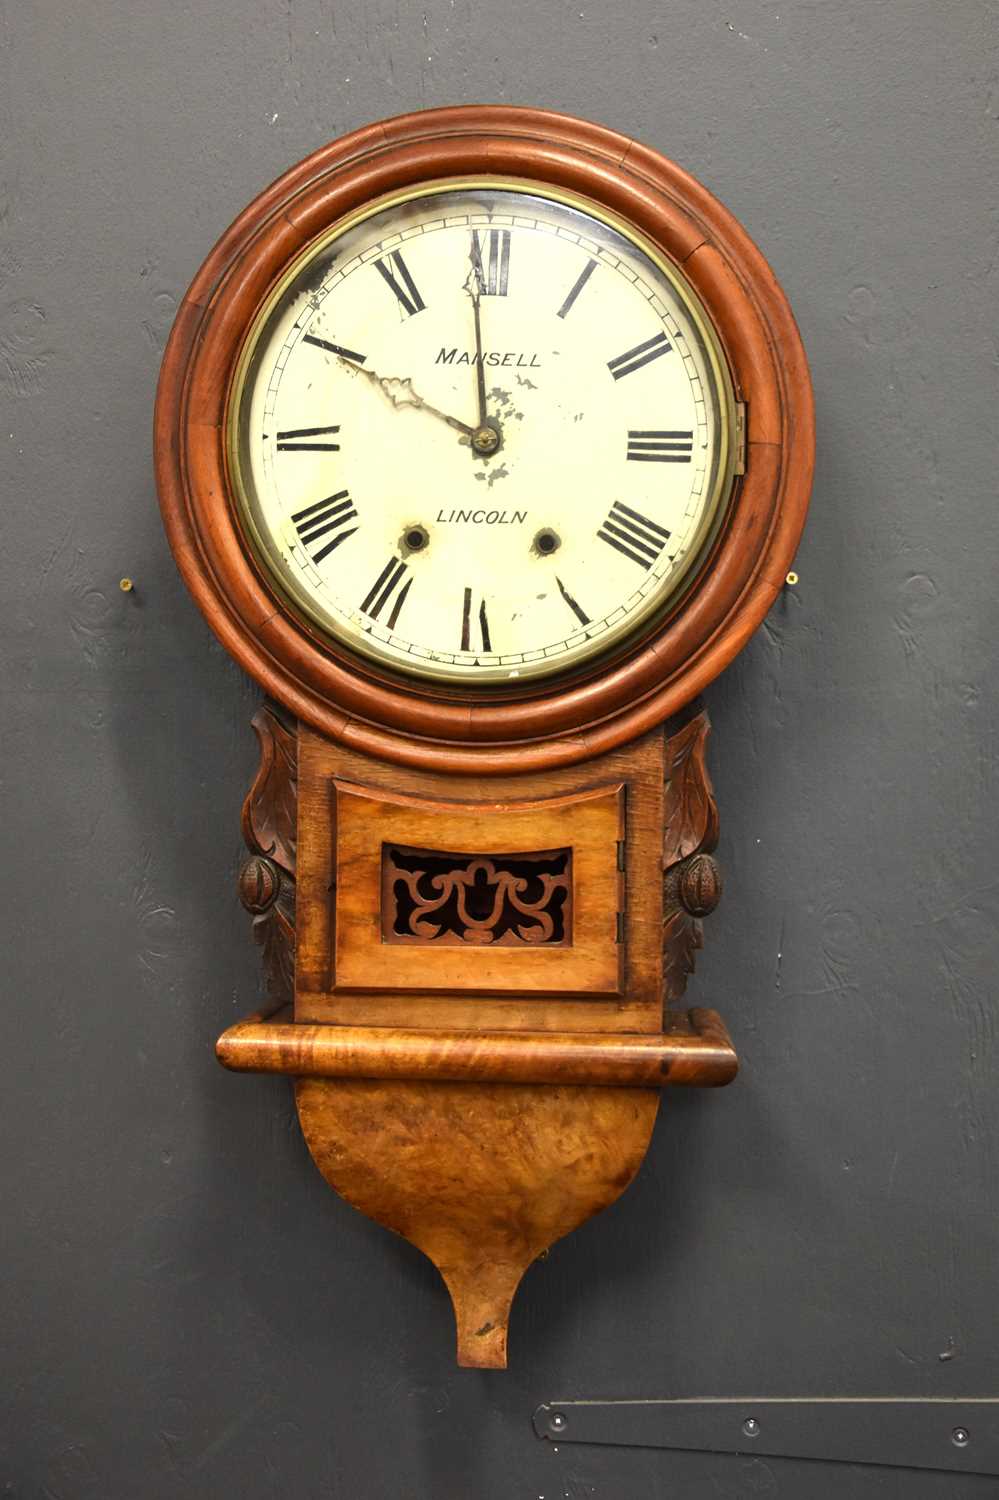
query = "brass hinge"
{"x": 622, "y": 891}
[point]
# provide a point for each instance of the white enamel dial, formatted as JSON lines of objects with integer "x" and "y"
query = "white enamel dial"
{"x": 481, "y": 434}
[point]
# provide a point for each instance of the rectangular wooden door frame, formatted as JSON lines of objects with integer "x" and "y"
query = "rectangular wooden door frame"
{"x": 330, "y": 777}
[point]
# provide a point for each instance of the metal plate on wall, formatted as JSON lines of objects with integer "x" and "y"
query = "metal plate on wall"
{"x": 961, "y": 1435}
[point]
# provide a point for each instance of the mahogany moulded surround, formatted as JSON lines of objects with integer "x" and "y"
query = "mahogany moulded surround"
{"x": 424, "y": 725}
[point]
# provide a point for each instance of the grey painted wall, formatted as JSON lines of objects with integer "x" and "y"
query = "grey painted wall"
{"x": 187, "y": 1310}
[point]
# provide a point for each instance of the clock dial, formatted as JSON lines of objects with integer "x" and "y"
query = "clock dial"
{"x": 481, "y": 434}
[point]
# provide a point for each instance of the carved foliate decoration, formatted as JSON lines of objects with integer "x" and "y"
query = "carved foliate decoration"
{"x": 267, "y": 879}
{"x": 429, "y": 896}
{"x": 691, "y": 879}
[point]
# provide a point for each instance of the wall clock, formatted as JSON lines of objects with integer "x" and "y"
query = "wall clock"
{"x": 484, "y": 441}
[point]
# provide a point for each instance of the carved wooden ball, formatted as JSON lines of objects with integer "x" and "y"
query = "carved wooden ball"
{"x": 700, "y": 885}
{"x": 259, "y": 883}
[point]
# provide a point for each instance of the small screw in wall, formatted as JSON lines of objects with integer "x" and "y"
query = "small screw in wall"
{"x": 751, "y": 1427}
{"x": 959, "y": 1437}
{"x": 126, "y": 585}
{"x": 791, "y": 580}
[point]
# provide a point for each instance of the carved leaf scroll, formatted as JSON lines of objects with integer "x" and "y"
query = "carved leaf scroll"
{"x": 267, "y": 880}
{"x": 691, "y": 881}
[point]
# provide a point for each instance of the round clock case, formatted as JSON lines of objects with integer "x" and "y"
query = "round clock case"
{"x": 551, "y": 721}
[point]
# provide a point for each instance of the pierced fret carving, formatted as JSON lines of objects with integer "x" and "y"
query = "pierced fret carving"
{"x": 503, "y": 900}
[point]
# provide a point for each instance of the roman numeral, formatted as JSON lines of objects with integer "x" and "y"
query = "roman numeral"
{"x": 642, "y": 354}
{"x": 466, "y": 625}
{"x": 384, "y": 587}
{"x": 329, "y": 515}
{"x": 295, "y": 441}
{"x": 408, "y": 296}
{"x": 577, "y": 286}
{"x": 633, "y": 534}
{"x": 661, "y": 447}
{"x": 580, "y": 614}
{"x": 351, "y": 354}
{"x": 495, "y": 277}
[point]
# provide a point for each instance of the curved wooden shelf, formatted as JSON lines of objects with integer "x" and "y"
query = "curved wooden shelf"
{"x": 698, "y": 1052}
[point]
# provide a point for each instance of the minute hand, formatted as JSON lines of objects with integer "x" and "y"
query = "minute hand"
{"x": 480, "y": 369}
{"x": 487, "y": 437}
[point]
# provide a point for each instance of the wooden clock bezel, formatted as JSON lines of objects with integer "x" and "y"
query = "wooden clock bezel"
{"x": 430, "y": 725}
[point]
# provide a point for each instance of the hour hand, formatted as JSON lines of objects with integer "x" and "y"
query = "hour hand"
{"x": 399, "y": 390}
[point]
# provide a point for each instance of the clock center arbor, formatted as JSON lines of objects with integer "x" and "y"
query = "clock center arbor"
{"x": 484, "y": 441}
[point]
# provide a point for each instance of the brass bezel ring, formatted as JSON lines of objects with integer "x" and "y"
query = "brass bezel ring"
{"x": 637, "y": 625}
